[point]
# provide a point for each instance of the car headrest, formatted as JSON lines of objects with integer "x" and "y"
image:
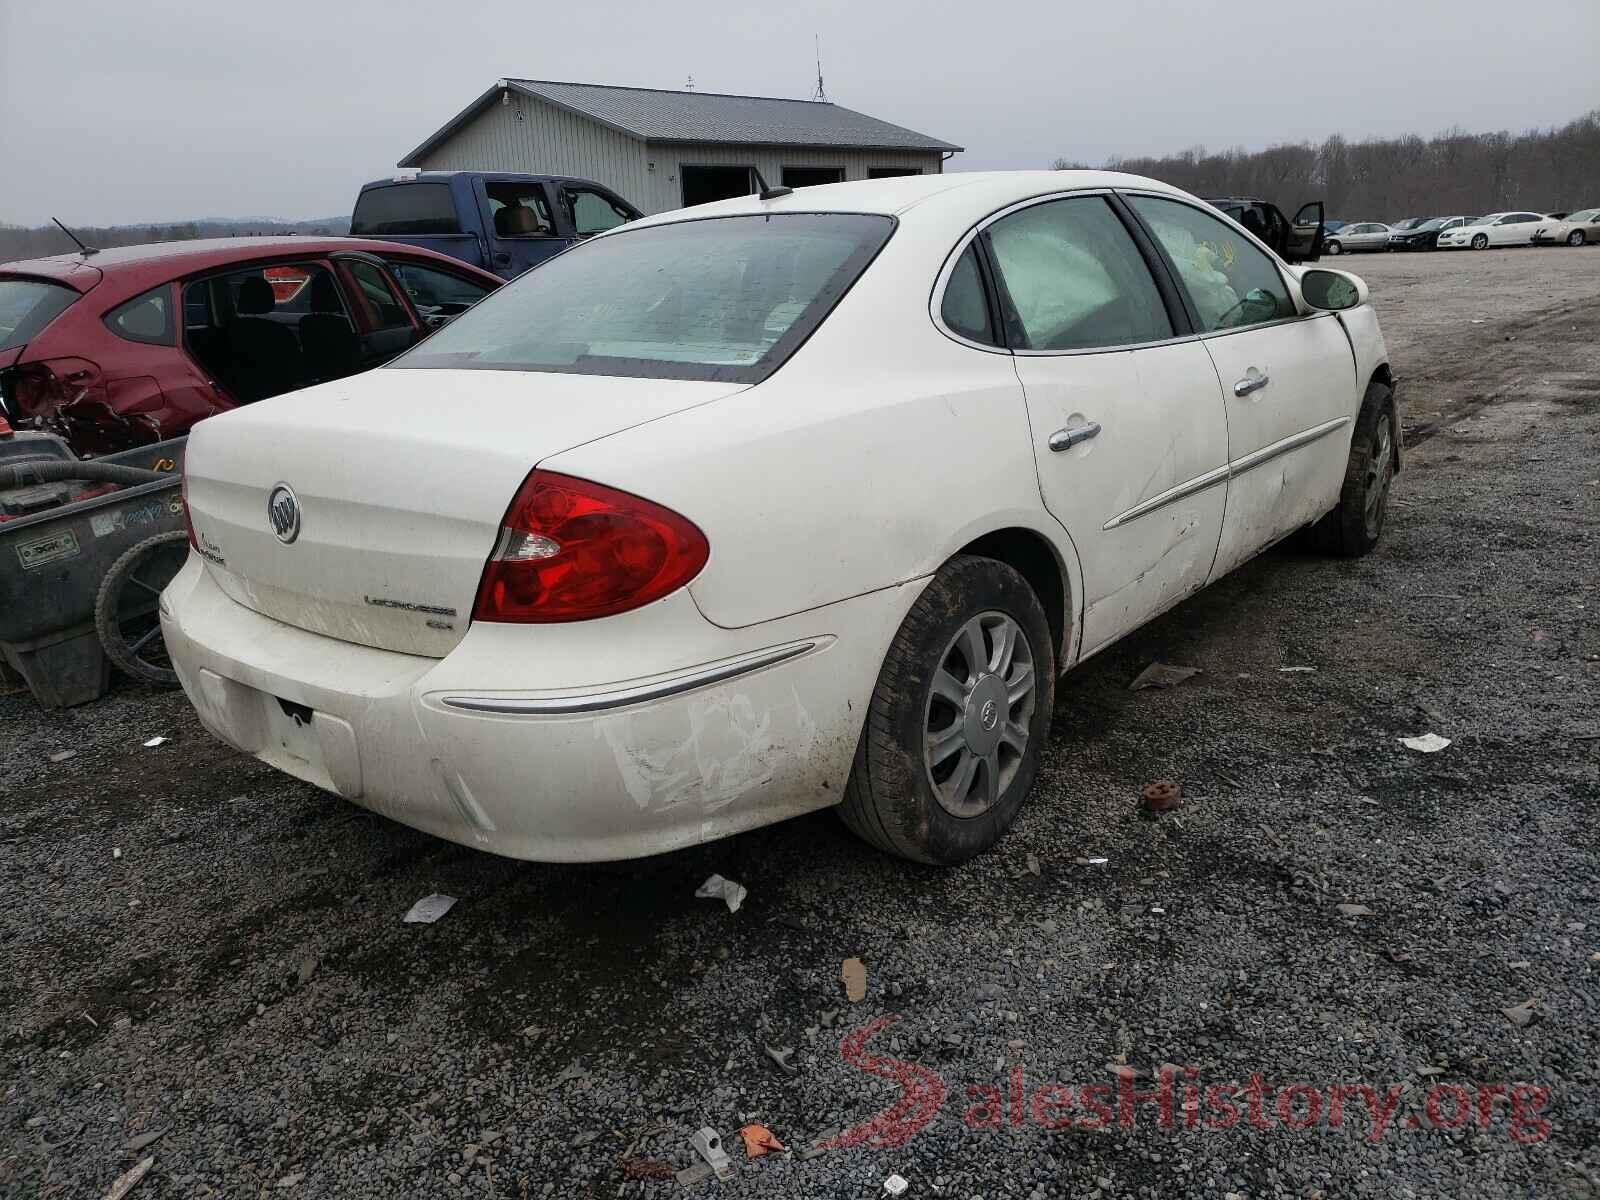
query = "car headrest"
{"x": 255, "y": 297}
{"x": 515, "y": 219}
{"x": 324, "y": 295}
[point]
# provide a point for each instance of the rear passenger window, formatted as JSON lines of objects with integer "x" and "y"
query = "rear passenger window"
{"x": 966, "y": 308}
{"x": 1075, "y": 279}
{"x": 145, "y": 318}
{"x": 1230, "y": 281}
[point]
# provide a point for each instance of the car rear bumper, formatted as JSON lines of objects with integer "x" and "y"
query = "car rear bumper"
{"x": 532, "y": 741}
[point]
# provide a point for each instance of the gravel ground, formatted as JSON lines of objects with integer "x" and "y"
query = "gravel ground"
{"x": 237, "y": 985}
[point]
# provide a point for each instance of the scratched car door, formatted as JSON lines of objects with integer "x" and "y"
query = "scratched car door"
{"x": 1126, "y": 414}
{"x": 1288, "y": 378}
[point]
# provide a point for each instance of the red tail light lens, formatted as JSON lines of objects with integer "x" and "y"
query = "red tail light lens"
{"x": 571, "y": 550}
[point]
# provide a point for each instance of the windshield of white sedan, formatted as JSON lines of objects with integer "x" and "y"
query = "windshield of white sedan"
{"x": 726, "y": 299}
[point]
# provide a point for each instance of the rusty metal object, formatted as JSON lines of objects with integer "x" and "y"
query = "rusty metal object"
{"x": 1162, "y": 796}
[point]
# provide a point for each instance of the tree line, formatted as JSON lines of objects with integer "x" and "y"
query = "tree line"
{"x": 1384, "y": 179}
{"x": 17, "y": 241}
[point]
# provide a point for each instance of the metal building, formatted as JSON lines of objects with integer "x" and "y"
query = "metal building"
{"x": 663, "y": 150}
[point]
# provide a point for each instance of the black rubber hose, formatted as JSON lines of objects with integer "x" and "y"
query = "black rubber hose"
{"x": 29, "y": 473}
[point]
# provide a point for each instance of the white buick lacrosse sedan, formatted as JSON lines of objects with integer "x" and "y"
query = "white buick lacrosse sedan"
{"x": 781, "y": 503}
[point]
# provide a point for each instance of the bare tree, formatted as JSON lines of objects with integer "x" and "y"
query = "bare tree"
{"x": 1550, "y": 170}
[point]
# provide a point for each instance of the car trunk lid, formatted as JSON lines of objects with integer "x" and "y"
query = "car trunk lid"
{"x": 365, "y": 509}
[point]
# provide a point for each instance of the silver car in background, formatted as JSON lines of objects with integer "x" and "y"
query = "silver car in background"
{"x": 1364, "y": 235}
{"x": 1575, "y": 229}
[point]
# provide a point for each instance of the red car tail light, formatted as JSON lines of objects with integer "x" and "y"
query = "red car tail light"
{"x": 39, "y": 388}
{"x": 572, "y": 550}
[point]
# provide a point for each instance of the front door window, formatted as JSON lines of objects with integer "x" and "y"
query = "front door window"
{"x": 1230, "y": 281}
{"x": 593, "y": 213}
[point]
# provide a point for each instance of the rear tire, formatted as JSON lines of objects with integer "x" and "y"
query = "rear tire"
{"x": 1355, "y": 526}
{"x": 956, "y": 724}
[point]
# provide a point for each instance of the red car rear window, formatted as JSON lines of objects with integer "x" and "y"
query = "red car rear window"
{"x": 27, "y": 306}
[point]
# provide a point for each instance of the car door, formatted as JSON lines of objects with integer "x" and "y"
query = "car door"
{"x": 385, "y": 322}
{"x": 520, "y": 223}
{"x": 593, "y": 210}
{"x": 1288, "y": 378}
{"x": 1515, "y": 229}
{"x": 1125, "y": 410}
{"x": 1305, "y": 233}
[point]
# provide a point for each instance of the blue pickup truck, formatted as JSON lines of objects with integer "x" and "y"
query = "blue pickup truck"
{"x": 498, "y": 221}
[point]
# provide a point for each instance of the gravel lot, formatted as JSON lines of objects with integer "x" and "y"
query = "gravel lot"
{"x": 238, "y": 985}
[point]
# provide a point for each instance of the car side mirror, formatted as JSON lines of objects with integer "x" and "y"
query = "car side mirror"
{"x": 1332, "y": 291}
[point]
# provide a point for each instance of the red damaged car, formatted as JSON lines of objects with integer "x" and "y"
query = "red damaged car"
{"x": 117, "y": 348}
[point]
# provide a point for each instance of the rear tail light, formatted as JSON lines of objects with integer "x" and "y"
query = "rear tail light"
{"x": 572, "y": 550}
{"x": 39, "y": 388}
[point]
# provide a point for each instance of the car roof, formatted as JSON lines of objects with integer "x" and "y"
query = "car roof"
{"x": 158, "y": 260}
{"x": 972, "y": 193}
{"x": 492, "y": 176}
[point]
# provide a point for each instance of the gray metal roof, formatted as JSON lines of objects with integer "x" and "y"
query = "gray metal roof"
{"x": 662, "y": 116}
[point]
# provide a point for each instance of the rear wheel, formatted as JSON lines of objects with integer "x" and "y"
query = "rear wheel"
{"x": 1480, "y": 241}
{"x": 1355, "y": 525}
{"x": 1575, "y": 238}
{"x": 127, "y": 609}
{"x": 956, "y": 723}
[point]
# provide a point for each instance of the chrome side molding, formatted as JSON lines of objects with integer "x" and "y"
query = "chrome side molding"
{"x": 659, "y": 689}
{"x": 1231, "y": 471}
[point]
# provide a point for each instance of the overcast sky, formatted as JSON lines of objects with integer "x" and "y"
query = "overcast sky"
{"x": 115, "y": 112}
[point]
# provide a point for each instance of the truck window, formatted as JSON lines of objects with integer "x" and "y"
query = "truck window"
{"x": 593, "y": 213}
{"x": 405, "y": 208}
{"x": 519, "y": 210}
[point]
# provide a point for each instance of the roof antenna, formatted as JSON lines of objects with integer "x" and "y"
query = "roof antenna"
{"x": 819, "y": 96}
{"x": 82, "y": 249}
{"x": 769, "y": 193}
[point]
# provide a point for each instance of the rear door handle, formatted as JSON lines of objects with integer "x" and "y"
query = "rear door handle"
{"x": 1065, "y": 439}
{"x": 1253, "y": 381}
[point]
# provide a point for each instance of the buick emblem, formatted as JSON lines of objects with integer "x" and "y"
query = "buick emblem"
{"x": 989, "y": 715}
{"x": 283, "y": 510}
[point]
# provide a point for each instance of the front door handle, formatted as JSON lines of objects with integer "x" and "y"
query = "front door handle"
{"x": 1065, "y": 439}
{"x": 1253, "y": 381}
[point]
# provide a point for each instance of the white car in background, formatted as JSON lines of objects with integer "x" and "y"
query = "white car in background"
{"x": 772, "y": 505}
{"x": 1495, "y": 229}
{"x": 1363, "y": 235}
{"x": 1575, "y": 229}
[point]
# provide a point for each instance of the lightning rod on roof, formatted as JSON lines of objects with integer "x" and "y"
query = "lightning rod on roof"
{"x": 820, "y": 96}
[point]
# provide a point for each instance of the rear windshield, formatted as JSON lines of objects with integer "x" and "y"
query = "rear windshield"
{"x": 414, "y": 208}
{"x": 27, "y": 306}
{"x": 725, "y": 298}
